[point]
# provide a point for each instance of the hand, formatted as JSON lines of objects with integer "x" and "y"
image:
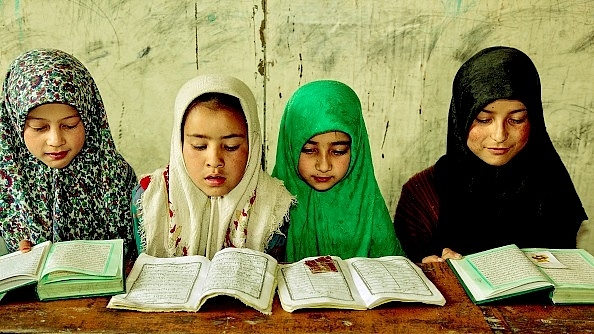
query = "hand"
{"x": 25, "y": 245}
{"x": 445, "y": 254}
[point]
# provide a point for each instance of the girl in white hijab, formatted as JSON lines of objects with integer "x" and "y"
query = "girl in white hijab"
{"x": 214, "y": 193}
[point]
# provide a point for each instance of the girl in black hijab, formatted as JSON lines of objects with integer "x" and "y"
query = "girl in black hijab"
{"x": 501, "y": 180}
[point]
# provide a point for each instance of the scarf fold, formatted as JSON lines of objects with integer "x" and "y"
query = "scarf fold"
{"x": 531, "y": 200}
{"x": 179, "y": 219}
{"x": 89, "y": 198}
{"x": 350, "y": 219}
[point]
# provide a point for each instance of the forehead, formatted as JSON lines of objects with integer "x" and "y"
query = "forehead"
{"x": 504, "y": 106}
{"x": 52, "y": 111}
{"x": 205, "y": 118}
{"x": 330, "y": 137}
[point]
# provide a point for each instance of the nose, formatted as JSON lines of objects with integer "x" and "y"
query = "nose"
{"x": 499, "y": 133}
{"x": 55, "y": 138}
{"x": 323, "y": 163}
{"x": 214, "y": 158}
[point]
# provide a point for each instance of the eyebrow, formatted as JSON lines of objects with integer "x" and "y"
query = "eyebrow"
{"x": 341, "y": 142}
{"x": 44, "y": 119}
{"x": 511, "y": 112}
{"x": 233, "y": 135}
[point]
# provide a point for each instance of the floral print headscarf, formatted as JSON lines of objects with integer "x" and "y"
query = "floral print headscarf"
{"x": 89, "y": 198}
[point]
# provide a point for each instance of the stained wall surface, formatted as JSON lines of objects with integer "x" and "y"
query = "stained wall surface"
{"x": 399, "y": 56}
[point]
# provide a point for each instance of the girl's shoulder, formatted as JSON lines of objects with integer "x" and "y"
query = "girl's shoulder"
{"x": 160, "y": 176}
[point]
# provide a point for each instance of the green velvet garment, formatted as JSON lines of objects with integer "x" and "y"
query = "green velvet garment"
{"x": 350, "y": 219}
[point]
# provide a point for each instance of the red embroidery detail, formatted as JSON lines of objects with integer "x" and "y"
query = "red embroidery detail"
{"x": 185, "y": 251}
{"x": 166, "y": 177}
{"x": 177, "y": 241}
{"x": 145, "y": 181}
{"x": 173, "y": 229}
{"x": 170, "y": 212}
{"x": 228, "y": 242}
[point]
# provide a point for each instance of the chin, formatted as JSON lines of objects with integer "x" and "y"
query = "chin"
{"x": 214, "y": 192}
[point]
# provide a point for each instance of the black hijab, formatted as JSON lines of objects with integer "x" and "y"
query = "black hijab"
{"x": 531, "y": 200}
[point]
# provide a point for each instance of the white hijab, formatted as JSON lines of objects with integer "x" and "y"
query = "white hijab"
{"x": 181, "y": 220}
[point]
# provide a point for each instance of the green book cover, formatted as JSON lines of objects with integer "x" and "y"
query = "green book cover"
{"x": 69, "y": 269}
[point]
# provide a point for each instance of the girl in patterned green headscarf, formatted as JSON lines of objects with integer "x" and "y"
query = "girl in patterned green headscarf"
{"x": 323, "y": 156}
{"x": 61, "y": 175}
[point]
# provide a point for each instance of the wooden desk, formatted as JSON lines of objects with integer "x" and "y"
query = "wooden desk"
{"x": 22, "y": 314}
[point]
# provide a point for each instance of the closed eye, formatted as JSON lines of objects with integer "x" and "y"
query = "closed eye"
{"x": 232, "y": 148}
{"x": 308, "y": 150}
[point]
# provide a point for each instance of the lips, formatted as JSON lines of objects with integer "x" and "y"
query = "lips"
{"x": 57, "y": 155}
{"x": 215, "y": 180}
{"x": 498, "y": 151}
{"x": 321, "y": 179}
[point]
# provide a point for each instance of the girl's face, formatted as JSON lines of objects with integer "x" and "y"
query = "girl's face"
{"x": 499, "y": 132}
{"x": 325, "y": 159}
{"x": 54, "y": 134}
{"x": 215, "y": 148}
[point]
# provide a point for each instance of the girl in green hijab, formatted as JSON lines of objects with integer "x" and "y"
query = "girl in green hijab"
{"x": 324, "y": 159}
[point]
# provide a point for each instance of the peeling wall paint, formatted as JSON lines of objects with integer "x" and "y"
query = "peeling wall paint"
{"x": 400, "y": 57}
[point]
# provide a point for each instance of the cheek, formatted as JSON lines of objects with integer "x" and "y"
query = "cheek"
{"x": 343, "y": 164}
{"x": 79, "y": 139}
{"x": 240, "y": 161}
{"x": 474, "y": 135}
{"x": 29, "y": 139}
{"x": 523, "y": 135}
{"x": 303, "y": 165}
{"x": 191, "y": 158}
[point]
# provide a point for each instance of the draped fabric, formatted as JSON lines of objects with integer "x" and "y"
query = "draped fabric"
{"x": 350, "y": 219}
{"x": 176, "y": 218}
{"x": 89, "y": 198}
{"x": 417, "y": 213}
{"x": 531, "y": 200}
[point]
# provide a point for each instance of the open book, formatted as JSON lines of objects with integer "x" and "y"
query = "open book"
{"x": 357, "y": 283}
{"x": 68, "y": 269}
{"x": 185, "y": 283}
{"x": 508, "y": 271}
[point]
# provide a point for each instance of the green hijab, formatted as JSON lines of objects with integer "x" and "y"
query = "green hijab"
{"x": 350, "y": 219}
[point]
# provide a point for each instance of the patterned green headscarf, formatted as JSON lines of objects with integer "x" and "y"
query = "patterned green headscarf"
{"x": 89, "y": 198}
{"x": 350, "y": 219}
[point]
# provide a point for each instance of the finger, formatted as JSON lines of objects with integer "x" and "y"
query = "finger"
{"x": 25, "y": 245}
{"x": 450, "y": 254}
{"x": 431, "y": 259}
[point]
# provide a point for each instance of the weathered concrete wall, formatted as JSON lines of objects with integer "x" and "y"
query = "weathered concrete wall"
{"x": 399, "y": 56}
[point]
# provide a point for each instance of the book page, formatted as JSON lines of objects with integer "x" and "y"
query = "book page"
{"x": 392, "y": 278}
{"x": 90, "y": 257}
{"x": 163, "y": 284}
{"x": 26, "y": 264}
{"x": 579, "y": 268}
{"x": 503, "y": 266}
{"x": 502, "y": 271}
{"x": 300, "y": 285}
{"x": 18, "y": 268}
{"x": 242, "y": 273}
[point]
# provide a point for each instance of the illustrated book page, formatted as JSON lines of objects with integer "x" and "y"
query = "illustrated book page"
{"x": 318, "y": 282}
{"x": 570, "y": 270}
{"x": 185, "y": 283}
{"x": 498, "y": 273}
{"x": 358, "y": 283}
